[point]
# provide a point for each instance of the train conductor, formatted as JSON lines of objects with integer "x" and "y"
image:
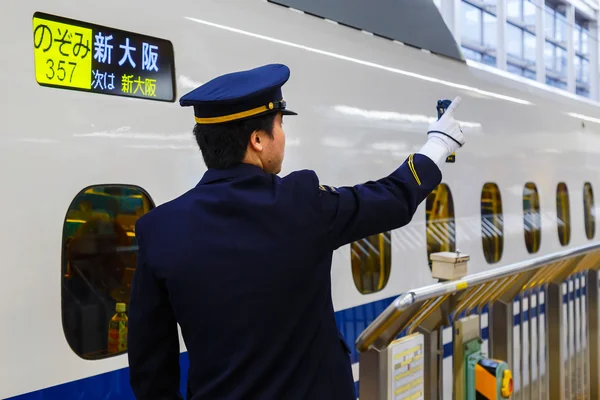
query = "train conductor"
{"x": 242, "y": 260}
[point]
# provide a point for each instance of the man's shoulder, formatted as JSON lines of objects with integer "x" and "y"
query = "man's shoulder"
{"x": 303, "y": 177}
{"x": 308, "y": 180}
{"x": 300, "y": 174}
{"x": 162, "y": 211}
{"x": 305, "y": 181}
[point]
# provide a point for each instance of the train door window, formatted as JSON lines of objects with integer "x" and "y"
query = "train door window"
{"x": 589, "y": 211}
{"x": 492, "y": 225}
{"x": 532, "y": 218}
{"x": 99, "y": 251}
{"x": 371, "y": 262}
{"x": 440, "y": 223}
{"x": 563, "y": 214}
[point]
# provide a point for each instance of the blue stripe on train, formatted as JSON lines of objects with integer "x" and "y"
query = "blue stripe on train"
{"x": 114, "y": 385}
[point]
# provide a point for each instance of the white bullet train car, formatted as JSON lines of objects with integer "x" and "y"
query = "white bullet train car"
{"x": 93, "y": 137}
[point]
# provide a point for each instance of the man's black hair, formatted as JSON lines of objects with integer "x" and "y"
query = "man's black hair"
{"x": 224, "y": 145}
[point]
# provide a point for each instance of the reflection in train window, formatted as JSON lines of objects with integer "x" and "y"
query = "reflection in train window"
{"x": 439, "y": 216}
{"x": 532, "y": 218}
{"x": 371, "y": 262}
{"x": 563, "y": 214}
{"x": 589, "y": 211}
{"x": 492, "y": 225}
{"x": 99, "y": 256}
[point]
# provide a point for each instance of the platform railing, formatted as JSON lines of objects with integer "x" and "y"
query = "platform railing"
{"x": 542, "y": 321}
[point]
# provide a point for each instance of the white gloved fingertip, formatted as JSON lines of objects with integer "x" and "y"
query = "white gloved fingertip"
{"x": 455, "y": 103}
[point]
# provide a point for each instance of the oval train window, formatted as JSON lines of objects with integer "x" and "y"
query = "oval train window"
{"x": 492, "y": 225}
{"x": 99, "y": 257}
{"x": 371, "y": 262}
{"x": 563, "y": 214}
{"x": 440, "y": 223}
{"x": 589, "y": 211}
{"x": 532, "y": 219}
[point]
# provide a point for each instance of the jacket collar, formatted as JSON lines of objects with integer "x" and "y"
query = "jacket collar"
{"x": 241, "y": 170}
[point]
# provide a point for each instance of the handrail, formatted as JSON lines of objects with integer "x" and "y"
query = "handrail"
{"x": 403, "y": 302}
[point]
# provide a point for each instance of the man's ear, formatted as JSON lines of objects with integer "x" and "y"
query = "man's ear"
{"x": 256, "y": 140}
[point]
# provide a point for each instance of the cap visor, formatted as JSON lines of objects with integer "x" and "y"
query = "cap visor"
{"x": 288, "y": 112}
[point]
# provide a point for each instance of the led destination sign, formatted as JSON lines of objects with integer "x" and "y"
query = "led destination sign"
{"x": 82, "y": 56}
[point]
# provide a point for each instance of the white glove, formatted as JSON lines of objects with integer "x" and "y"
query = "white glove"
{"x": 444, "y": 136}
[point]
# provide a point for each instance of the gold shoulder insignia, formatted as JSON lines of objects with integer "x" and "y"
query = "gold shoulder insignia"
{"x": 327, "y": 188}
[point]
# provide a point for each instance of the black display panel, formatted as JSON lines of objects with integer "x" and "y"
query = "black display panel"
{"x": 78, "y": 55}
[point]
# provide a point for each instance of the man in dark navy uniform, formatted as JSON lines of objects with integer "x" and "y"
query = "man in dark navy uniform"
{"x": 242, "y": 261}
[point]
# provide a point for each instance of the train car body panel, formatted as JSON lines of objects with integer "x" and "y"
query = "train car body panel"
{"x": 364, "y": 104}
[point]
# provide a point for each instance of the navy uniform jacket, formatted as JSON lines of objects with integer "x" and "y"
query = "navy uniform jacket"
{"x": 242, "y": 262}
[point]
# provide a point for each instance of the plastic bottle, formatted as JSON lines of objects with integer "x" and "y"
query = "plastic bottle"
{"x": 117, "y": 330}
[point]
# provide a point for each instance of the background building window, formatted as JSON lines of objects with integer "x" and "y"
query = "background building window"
{"x": 560, "y": 27}
{"x": 479, "y": 42}
{"x": 549, "y": 56}
{"x": 514, "y": 41}
{"x": 439, "y": 216}
{"x": 99, "y": 258}
{"x": 560, "y": 62}
{"x": 492, "y": 225}
{"x": 589, "y": 211}
{"x": 514, "y": 9}
{"x": 563, "y": 214}
{"x": 371, "y": 262}
{"x": 532, "y": 219}
{"x": 489, "y": 30}
{"x": 529, "y": 12}
{"x": 585, "y": 36}
{"x": 471, "y": 54}
{"x": 471, "y": 23}
{"x": 529, "y": 48}
{"x": 550, "y": 21}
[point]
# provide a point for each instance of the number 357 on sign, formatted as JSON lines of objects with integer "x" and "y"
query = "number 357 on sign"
{"x": 63, "y": 54}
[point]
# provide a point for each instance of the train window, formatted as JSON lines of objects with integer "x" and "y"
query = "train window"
{"x": 439, "y": 216}
{"x": 589, "y": 211}
{"x": 492, "y": 226}
{"x": 563, "y": 214}
{"x": 532, "y": 218}
{"x": 371, "y": 262}
{"x": 98, "y": 261}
